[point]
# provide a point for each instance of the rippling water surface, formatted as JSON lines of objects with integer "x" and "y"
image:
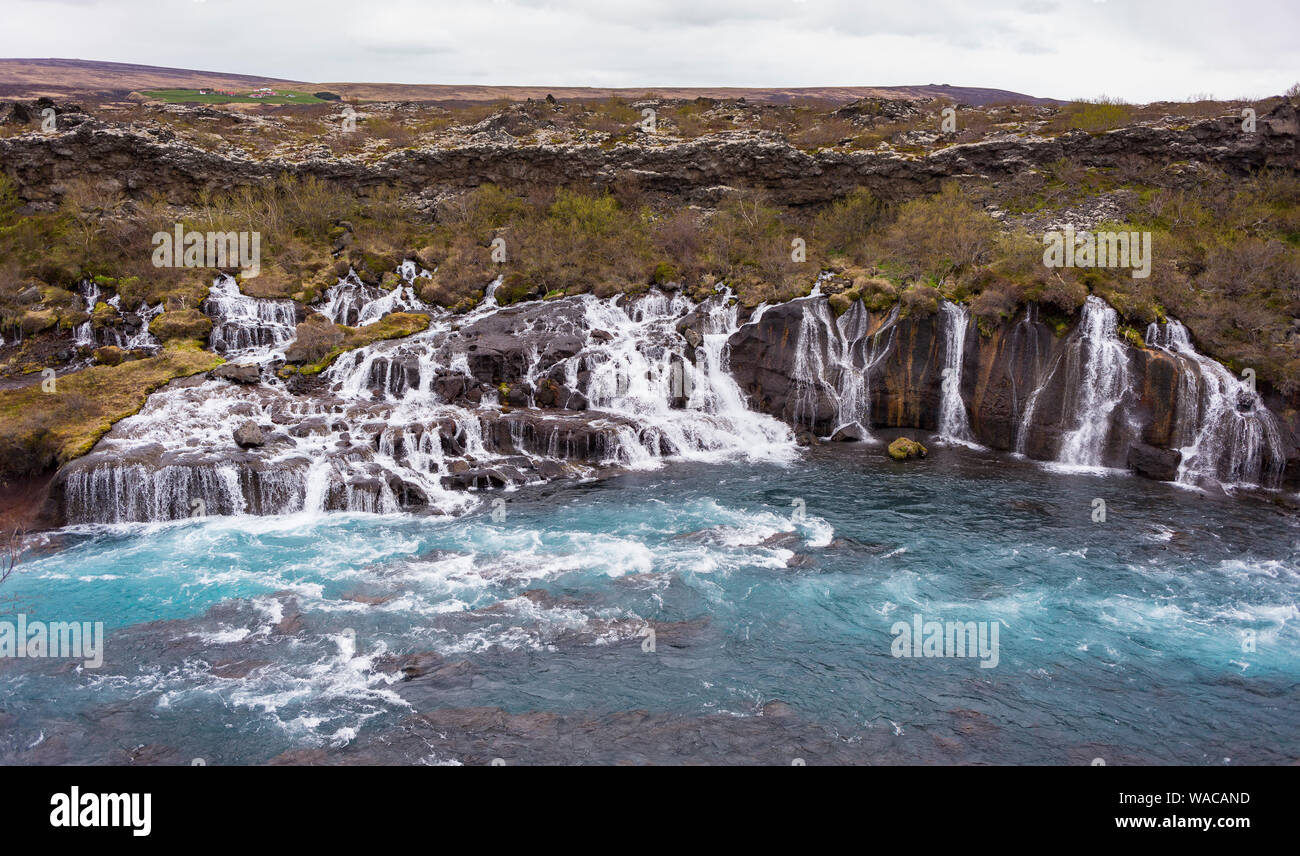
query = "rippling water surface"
{"x": 242, "y": 640}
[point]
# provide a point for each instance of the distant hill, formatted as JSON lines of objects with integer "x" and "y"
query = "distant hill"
{"x": 63, "y": 78}
{"x": 71, "y": 78}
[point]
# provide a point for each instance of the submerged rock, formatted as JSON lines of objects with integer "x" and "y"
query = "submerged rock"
{"x": 1154, "y": 462}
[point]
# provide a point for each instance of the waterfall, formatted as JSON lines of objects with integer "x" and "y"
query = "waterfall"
{"x": 142, "y": 338}
{"x": 390, "y": 427}
{"x": 84, "y": 334}
{"x": 816, "y": 340}
{"x": 832, "y": 364}
{"x": 1094, "y": 380}
{"x": 642, "y": 371}
{"x": 247, "y": 326}
{"x": 355, "y": 304}
{"x": 1224, "y": 431}
{"x": 954, "y": 424}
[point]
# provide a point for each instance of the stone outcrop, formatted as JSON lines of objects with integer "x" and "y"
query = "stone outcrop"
{"x": 141, "y": 163}
{"x": 1006, "y": 370}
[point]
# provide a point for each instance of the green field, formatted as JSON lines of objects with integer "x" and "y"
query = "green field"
{"x": 192, "y": 96}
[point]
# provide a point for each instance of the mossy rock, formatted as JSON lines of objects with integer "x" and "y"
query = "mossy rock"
{"x": 109, "y": 355}
{"x": 372, "y": 266}
{"x": 877, "y": 294}
{"x": 921, "y": 301}
{"x": 904, "y": 448}
{"x": 39, "y": 430}
{"x": 841, "y": 303}
{"x": 73, "y": 318}
{"x": 181, "y": 324}
{"x": 37, "y": 320}
{"x": 1133, "y": 337}
{"x": 514, "y": 288}
{"x": 320, "y": 342}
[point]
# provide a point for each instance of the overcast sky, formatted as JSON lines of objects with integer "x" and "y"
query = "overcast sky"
{"x": 1141, "y": 50}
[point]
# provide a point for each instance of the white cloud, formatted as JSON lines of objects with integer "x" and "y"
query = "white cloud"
{"x": 1140, "y": 50}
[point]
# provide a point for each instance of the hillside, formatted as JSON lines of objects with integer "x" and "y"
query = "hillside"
{"x": 68, "y": 78}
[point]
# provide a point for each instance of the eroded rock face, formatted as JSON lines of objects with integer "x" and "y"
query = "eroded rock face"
{"x": 579, "y": 386}
{"x": 1081, "y": 396}
{"x": 697, "y": 170}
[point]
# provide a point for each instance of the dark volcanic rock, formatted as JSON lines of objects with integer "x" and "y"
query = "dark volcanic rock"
{"x": 239, "y": 372}
{"x": 140, "y": 163}
{"x": 1154, "y": 462}
{"x": 1007, "y": 369}
{"x": 248, "y": 435}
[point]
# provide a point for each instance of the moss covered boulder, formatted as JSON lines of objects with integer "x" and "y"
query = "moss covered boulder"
{"x": 37, "y": 320}
{"x": 904, "y": 448}
{"x": 181, "y": 324}
{"x": 514, "y": 288}
{"x": 109, "y": 355}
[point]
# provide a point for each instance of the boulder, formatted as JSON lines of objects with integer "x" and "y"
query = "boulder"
{"x": 248, "y": 435}
{"x": 109, "y": 355}
{"x": 904, "y": 448}
{"x": 239, "y": 372}
{"x": 1154, "y": 462}
{"x": 181, "y": 324}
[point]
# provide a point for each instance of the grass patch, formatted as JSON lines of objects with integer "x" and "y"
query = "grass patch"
{"x": 41, "y": 429}
{"x": 194, "y": 96}
{"x": 397, "y": 325}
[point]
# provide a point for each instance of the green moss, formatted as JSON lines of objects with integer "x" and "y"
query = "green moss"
{"x": 396, "y": 325}
{"x": 664, "y": 273}
{"x": 40, "y": 429}
{"x": 903, "y": 448}
{"x": 181, "y": 324}
{"x": 514, "y": 288}
{"x": 1132, "y": 336}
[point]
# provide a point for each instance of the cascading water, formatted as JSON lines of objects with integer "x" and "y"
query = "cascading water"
{"x": 393, "y": 428}
{"x": 832, "y": 365}
{"x": 954, "y": 424}
{"x": 1095, "y": 379}
{"x": 356, "y": 304}
{"x": 1223, "y": 429}
{"x": 84, "y": 334}
{"x": 142, "y": 339}
{"x": 247, "y": 326}
{"x": 130, "y": 333}
{"x": 642, "y": 369}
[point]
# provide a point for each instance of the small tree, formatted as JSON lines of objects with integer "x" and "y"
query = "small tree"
{"x": 12, "y": 554}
